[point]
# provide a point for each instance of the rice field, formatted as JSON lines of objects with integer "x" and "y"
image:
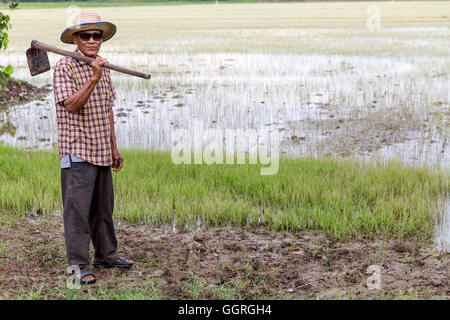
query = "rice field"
{"x": 345, "y": 199}
{"x": 334, "y": 88}
{"x": 378, "y": 100}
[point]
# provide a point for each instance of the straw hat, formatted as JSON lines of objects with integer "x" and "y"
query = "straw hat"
{"x": 88, "y": 21}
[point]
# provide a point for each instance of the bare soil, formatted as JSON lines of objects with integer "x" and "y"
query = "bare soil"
{"x": 344, "y": 136}
{"x": 246, "y": 263}
{"x": 20, "y": 92}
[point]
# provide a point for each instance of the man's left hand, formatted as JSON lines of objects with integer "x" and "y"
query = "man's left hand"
{"x": 117, "y": 160}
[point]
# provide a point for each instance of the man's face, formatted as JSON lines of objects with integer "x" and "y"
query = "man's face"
{"x": 89, "y": 47}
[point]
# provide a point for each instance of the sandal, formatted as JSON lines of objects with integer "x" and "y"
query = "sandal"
{"x": 85, "y": 274}
{"x": 121, "y": 263}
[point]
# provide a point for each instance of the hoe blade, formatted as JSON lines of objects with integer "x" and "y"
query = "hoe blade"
{"x": 37, "y": 61}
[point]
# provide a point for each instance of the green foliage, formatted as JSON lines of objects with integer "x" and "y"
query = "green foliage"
{"x": 342, "y": 198}
{"x": 5, "y": 74}
{"x": 12, "y": 4}
{"x": 5, "y": 25}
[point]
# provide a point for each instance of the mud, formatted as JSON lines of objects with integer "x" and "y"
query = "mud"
{"x": 20, "y": 92}
{"x": 344, "y": 136}
{"x": 245, "y": 263}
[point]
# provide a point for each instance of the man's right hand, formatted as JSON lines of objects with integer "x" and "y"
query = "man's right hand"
{"x": 96, "y": 66}
{"x": 76, "y": 101}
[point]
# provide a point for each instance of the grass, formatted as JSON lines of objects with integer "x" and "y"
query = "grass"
{"x": 342, "y": 198}
{"x": 147, "y": 291}
{"x": 196, "y": 289}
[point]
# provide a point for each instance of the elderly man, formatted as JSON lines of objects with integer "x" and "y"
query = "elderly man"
{"x": 84, "y": 96}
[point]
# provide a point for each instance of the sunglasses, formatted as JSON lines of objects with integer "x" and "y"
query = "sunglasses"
{"x": 86, "y": 36}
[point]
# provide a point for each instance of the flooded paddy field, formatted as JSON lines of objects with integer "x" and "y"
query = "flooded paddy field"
{"x": 313, "y": 72}
{"x": 322, "y": 104}
{"x": 338, "y": 89}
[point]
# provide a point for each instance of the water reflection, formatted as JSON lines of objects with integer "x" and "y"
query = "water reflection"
{"x": 442, "y": 238}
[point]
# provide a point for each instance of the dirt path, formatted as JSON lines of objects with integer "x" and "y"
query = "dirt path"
{"x": 222, "y": 263}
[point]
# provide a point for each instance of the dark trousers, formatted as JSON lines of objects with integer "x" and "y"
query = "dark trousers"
{"x": 88, "y": 202}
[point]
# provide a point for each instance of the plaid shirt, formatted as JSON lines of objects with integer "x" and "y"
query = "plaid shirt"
{"x": 87, "y": 133}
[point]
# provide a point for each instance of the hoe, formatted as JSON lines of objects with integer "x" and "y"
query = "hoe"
{"x": 38, "y": 60}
